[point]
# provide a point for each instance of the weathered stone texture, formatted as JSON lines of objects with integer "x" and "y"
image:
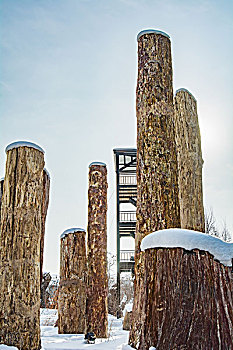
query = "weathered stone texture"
{"x": 97, "y": 305}
{"x": 157, "y": 197}
{"x": 189, "y": 157}
{"x": 20, "y": 248}
{"x": 1, "y": 192}
{"x": 46, "y": 278}
{"x": 45, "y": 204}
{"x": 73, "y": 283}
{"x": 127, "y": 320}
{"x": 187, "y": 301}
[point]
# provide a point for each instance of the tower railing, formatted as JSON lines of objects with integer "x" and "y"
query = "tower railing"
{"x": 127, "y": 255}
{"x": 128, "y": 216}
{"x": 127, "y": 179}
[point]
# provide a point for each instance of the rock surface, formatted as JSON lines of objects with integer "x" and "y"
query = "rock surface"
{"x": 46, "y": 278}
{"x": 157, "y": 180}
{"x": 187, "y": 301}
{"x": 127, "y": 321}
{"x": 21, "y": 223}
{"x": 97, "y": 305}
{"x": 73, "y": 284}
{"x": 189, "y": 157}
{"x": 45, "y": 204}
{"x": 1, "y": 192}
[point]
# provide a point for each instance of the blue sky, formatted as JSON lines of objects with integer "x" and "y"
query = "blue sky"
{"x": 68, "y": 79}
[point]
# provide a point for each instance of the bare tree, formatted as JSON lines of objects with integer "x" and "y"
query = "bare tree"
{"x": 212, "y": 229}
{"x": 226, "y": 236}
{"x": 210, "y": 223}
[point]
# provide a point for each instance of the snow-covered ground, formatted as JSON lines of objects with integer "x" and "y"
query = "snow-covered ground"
{"x": 117, "y": 340}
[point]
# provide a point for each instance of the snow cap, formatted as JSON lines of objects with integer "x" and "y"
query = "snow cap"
{"x": 185, "y": 90}
{"x": 151, "y": 31}
{"x": 189, "y": 240}
{"x": 97, "y": 163}
{"x": 2, "y": 178}
{"x": 23, "y": 144}
{"x": 71, "y": 230}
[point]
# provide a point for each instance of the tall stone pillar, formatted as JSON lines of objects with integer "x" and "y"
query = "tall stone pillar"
{"x": 1, "y": 193}
{"x": 97, "y": 307}
{"x": 45, "y": 204}
{"x": 157, "y": 182}
{"x": 189, "y": 157}
{"x": 73, "y": 282}
{"x": 21, "y": 225}
{"x": 188, "y": 292}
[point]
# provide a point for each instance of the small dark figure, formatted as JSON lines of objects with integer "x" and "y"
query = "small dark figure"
{"x": 90, "y": 338}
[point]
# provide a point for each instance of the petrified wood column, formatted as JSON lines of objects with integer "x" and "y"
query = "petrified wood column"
{"x": 189, "y": 158}
{"x": 1, "y": 193}
{"x": 20, "y": 246}
{"x": 73, "y": 282}
{"x": 188, "y": 299}
{"x": 157, "y": 196}
{"x": 45, "y": 204}
{"x": 97, "y": 305}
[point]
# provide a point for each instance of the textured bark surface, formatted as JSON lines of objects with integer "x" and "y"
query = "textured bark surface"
{"x": 1, "y": 192}
{"x": 45, "y": 204}
{"x": 20, "y": 249}
{"x": 97, "y": 305}
{"x": 157, "y": 197}
{"x": 73, "y": 284}
{"x": 44, "y": 285}
{"x": 127, "y": 321}
{"x": 189, "y": 157}
{"x": 187, "y": 301}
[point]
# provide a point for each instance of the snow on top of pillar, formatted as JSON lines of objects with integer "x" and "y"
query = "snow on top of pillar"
{"x": 185, "y": 90}
{"x": 71, "y": 230}
{"x": 189, "y": 240}
{"x": 97, "y": 163}
{"x": 151, "y": 31}
{"x": 23, "y": 144}
{"x": 46, "y": 171}
{"x": 2, "y": 178}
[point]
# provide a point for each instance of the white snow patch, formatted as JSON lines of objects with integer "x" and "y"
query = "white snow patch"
{"x": 6, "y": 347}
{"x": 126, "y": 347}
{"x": 23, "y": 144}
{"x": 183, "y": 89}
{"x": 2, "y": 178}
{"x": 97, "y": 163}
{"x": 128, "y": 308}
{"x": 151, "y": 31}
{"x": 51, "y": 340}
{"x": 71, "y": 230}
{"x": 189, "y": 240}
{"x": 48, "y": 317}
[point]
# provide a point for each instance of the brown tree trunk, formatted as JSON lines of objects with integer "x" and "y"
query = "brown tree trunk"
{"x": 157, "y": 182}
{"x": 73, "y": 282}
{"x": 97, "y": 304}
{"x": 189, "y": 157}
{"x": 20, "y": 247}
{"x": 187, "y": 301}
{"x": 1, "y": 193}
{"x": 44, "y": 285}
{"x": 45, "y": 204}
